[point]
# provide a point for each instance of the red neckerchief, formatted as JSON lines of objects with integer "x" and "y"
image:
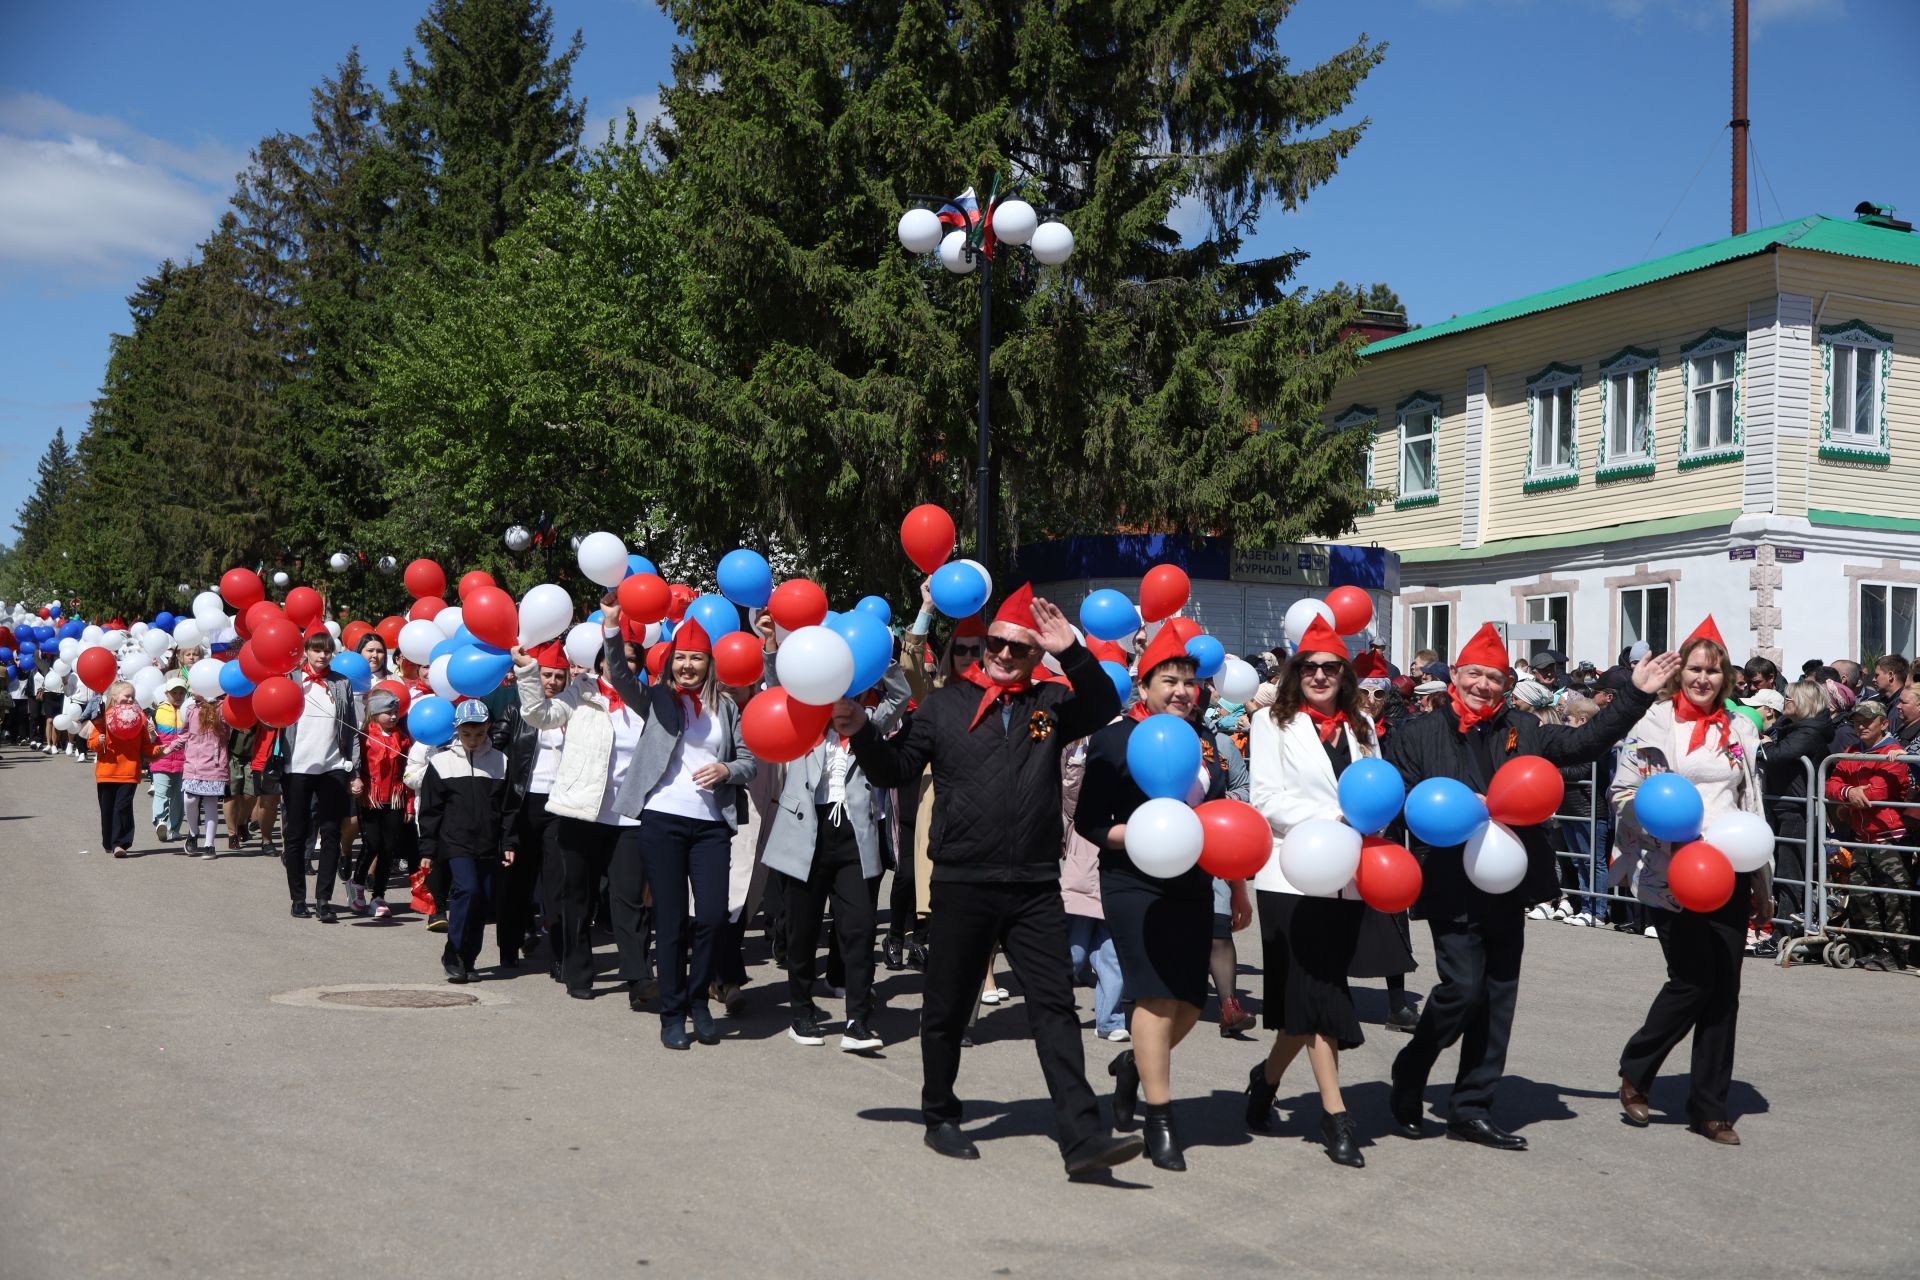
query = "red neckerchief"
{"x": 1465, "y": 714}
{"x": 1684, "y": 712}
{"x": 311, "y": 678}
{"x": 693, "y": 696}
{"x": 1138, "y": 711}
{"x": 614, "y": 702}
{"x": 1328, "y": 726}
{"x": 994, "y": 692}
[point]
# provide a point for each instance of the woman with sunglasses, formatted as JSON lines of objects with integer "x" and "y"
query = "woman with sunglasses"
{"x": 1162, "y": 929}
{"x": 1301, "y": 745}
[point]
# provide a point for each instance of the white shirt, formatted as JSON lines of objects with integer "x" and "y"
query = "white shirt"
{"x": 546, "y": 760}
{"x": 701, "y": 738}
{"x": 626, "y": 736}
{"x": 832, "y": 786}
{"x": 316, "y": 744}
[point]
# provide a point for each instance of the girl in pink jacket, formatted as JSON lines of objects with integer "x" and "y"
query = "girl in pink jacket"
{"x": 204, "y": 774}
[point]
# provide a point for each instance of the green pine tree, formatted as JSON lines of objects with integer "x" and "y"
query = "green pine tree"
{"x": 40, "y": 513}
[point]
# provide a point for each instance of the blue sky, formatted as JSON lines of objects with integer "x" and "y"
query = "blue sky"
{"x": 1515, "y": 144}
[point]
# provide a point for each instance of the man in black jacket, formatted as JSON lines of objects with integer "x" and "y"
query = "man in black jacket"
{"x": 1478, "y": 936}
{"x": 994, "y": 739}
{"x": 533, "y": 756}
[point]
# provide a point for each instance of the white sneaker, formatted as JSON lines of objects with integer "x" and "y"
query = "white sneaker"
{"x": 1537, "y": 912}
{"x": 1119, "y": 1035}
{"x": 1580, "y": 920}
{"x": 1649, "y": 932}
{"x": 1561, "y": 909}
{"x": 857, "y": 1039}
{"x": 380, "y": 909}
{"x": 994, "y": 996}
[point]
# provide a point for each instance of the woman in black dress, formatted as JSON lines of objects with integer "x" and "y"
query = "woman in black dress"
{"x": 1300, "y": 747}
{"x": 1162, "y": 929}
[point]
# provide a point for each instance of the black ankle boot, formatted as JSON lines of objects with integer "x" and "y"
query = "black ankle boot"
{"x": 1343, "y": 1146}
{"x": 1163, "y": 1148}
{"x": 1126, "y": 1089}
{"x": 1260, "y": 1097}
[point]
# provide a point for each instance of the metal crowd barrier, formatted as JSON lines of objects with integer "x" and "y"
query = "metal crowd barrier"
{"x": 1840, "y": 909}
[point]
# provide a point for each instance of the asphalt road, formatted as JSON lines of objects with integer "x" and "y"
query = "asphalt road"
{"x": 163, "y": 1115}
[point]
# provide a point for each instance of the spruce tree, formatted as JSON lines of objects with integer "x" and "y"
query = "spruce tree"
{"x": 39, "y": 514}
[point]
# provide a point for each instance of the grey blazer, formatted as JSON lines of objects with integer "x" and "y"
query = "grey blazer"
{"x": 659, "y": 706}
{"x": 793, "y": 824}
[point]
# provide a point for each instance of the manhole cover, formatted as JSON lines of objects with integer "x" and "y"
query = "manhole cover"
{"x": 404, "y": 999}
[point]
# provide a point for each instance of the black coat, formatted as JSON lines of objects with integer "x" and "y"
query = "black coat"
{"x": 519, "y": 741}
{"x": 1109, "y": 796}
{"x": 996, "y": 790}
{"x": 1783, "y": 772}
{"x": 1432, "y": 746}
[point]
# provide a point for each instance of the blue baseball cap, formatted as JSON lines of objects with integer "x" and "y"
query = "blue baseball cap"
{"x": 472, "y": 711}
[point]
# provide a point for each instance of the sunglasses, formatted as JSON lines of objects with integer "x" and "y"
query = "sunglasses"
{"x": 967, "y": 650}
{"x": 1333, "y": 668}
{"x": 1012, "y": 648}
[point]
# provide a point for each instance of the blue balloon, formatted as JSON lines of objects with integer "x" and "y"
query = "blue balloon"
{"x": 637, "y": 563}
{"x": 716, "y": 614}
{"x": 357, "y": 670}
{"x": 475, "y": 673}
{"x": 234, "y": 682}
{"x": 1445, "y": 812}
{"x": 876, "y": 606}
{"x": 28, "y": 648}
{"x": 164, "y": 621}
{"x": 430, "y": 720}
{"x": 1669, "y": 808}
{"x": 1122, "y": 682}
{"x": 1371, "y": 794}
{"x": 597, "y": 615}
{"x": 6, "y": 654}
{"x": 872, "y": 646}
{"x": 463, "y": 636}
{"x": 958, "y": 590}
{"x": 1108, "y": 615}
{"x": 53, "y": 611}
{"x": 1209, "y": 653}
{"x": 1163, "y": 755}
{"x": 74, "y": 628}
{"x": 446, "y": 649}
{"x": 745, "y": 579}
{"x": 26, "y": 662}
{"x": 667, "y": 629}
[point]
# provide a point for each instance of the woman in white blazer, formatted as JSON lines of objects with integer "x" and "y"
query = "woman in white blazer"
{"x": 1300, "y": 746}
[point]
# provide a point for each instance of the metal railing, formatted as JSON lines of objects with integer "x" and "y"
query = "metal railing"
{"x": 1850, "y": 900}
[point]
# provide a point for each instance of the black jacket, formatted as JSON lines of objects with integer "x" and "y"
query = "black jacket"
{"x": 1781, "y": 761}
{"x": 466, "y": 807}
{"x": 519, "y": 742}
{"x": 1432, "y": 746}
{"x": 996, "y": 790}
{"x": 1108, "y": 797}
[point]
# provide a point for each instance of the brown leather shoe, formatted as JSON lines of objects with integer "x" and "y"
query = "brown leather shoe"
{"x": 1720, "y": 1131}
{"x": 1634, "y": 1103}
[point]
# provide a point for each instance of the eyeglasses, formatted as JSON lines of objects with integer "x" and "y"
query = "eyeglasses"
{"x": 1333, "y": 668}
{"x": 1012, "y": 648}
{"x": 967, "y": 650}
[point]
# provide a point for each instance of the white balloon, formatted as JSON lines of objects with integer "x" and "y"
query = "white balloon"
{"x": 187, "y": 634}
{"x": 919, "y": 230}
{"x": 1014, "y": 221}
{"x": 953, "y": 253}
{"x": 91, "y": 635}
{"x": 139, "y": 629}
{"x": 449, "y": 620}
{"x": 1164, "y": 837}
{"x": 417, "y": 640}
{"x": 652, "y": 636}
{"x": 1319, "y": 857}
{"x": 1495, "y": 859}
{"x": 208, "y": 604}
{"x": 114, "y": 640}
{"x": 280, "y": 579}
{"x": 156, "y": 643}
{"x": 60, "y": 668}
{"x": 815, "y": 666}
{"x": 64, "y": 723}
{"x": 437, "y": 678}
{"x": 545, "y": 612}
{"x": 338, "y": 562}
{"x": 1300, "y": 616}
{"x": 69, "y": 648}
{"x": 203, "y": 677}
{"x": 1744, "y": 837}
{"x": 518, "y": 539}
{"x": 584, "y": 643}
{"x": 146, "y": 685}
{"x": 333, "y": 629}
{"x": 603, "y": 558}
{"x": 984, "y": 575}
{"x": 1237, "y": 681}
{"x": 1052, "y": 243}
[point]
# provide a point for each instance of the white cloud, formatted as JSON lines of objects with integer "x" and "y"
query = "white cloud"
{"x": 645, "y": 107}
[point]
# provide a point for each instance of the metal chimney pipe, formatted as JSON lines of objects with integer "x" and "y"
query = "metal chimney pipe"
{"x": 1739, "y": 122}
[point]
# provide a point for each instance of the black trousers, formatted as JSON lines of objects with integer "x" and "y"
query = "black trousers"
{"x": 1029, "y": 924}
{"x": 1701, "y": 996}
{"x": 835, "y": 873}
{"x": 836, "y": 970}
{"x": 379, "y": 846}
{"x": 677, "y": 851}
{"x": 514, "y": 911}
{"x": 310, "y": 801}
{"x": 588, "y": 851}
{"x": 1478, "y": 961}
{"x": 903, "y": 917}
{"x": 116, "y": 814}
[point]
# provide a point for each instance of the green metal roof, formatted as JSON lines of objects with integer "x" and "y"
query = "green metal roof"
{"x": 1820, "y": 233}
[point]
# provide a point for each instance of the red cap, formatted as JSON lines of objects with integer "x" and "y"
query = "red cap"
{"x": 1185, "y": 628}
{"x": 1705, "y": 631}
{"x": 1166, "y": 646}
{"x": 1369, "y": 666}
{"x": 1403, "y": 685}
{"x": 970, "y": 628}
{"x": 551, "y": 655}
{"x": 1321, "y": 638}
{"x": 316, "y": 628}
{"x": 1017, "y": 609}
{"x": 691, "y": 637}
{"x": 1484, "y": 649}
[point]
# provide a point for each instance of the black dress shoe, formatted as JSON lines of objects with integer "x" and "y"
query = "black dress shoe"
{"x": 635, "y": 1000}
{"x": 1163, "y": 1147}
{"x": 673, "y": 1033}
{"x": 917, "y": 956}
{"x": 1486, "y": 1133}
{"x": 553, "y": 971}
{"x": 509, "y": 959}
{"x": 1103, "y": 1153}
{"x": 1405, "y": 1112}
{"x": 1402, "y": 1018}
{"x": 1260, "y": 1096}
{"x": 579, "y": 993}
{"x": 947, "y": 1139}
{"x": 893, "y": 953}
{"x": 1343, "y": 1146}
{"x": 325, "y": 913}
{"x": 703, "y": 1029}
{"x": 300, "y": 911}
{"x": 1126, "y": 1089}
{"x": 455, "y": 971}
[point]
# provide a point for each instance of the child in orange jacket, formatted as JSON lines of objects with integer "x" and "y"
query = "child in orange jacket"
{"x": 121, "y": 739}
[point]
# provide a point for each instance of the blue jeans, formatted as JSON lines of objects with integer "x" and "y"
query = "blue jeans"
{"x": 167, "y": 801}
{"x": 1088, "y": 942}
{"x": 1592, "y": 879}
{"x": 469, "y": 905}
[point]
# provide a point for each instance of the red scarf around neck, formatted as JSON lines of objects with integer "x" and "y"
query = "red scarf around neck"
{"x": 1467, "y": 716}
{"x": 1329, "y": 726}
{"x": 614, "y": 701}
{"x": 312, "y": 678}
{"x": 693, "y": 696}
{"x": 1684, "y": 712}
{"x": 994, "y": 692}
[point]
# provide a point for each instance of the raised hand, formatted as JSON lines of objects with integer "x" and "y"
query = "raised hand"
{"x": 1651, "y": 673}
{"x": 1051, "y": 625}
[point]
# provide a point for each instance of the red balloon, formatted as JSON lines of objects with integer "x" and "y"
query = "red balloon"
{"x": 1236, "y": 840}
{"x": 126, "y": 722}
{"x": 779, "y": 729}
{"x": 644, "y": 597}
{"x": 798, "y": 603}
{"x": 252, "y": 667}
{"x": 258, "y": 612}
{"x": 1352, "y": 611}
{"x": 425, "y": 607}
{"x": 470, "y": 581}
{"x": 278, "y": 701}
{"x": 1699, "y": 877}
{"x": 926, "y": 535}
{"x": 242, "y": 589}
{"x": 1525, "y": 791}
{"x": 682, "y": 595}
{"x": 1163, "y": 591}
{"x": 1389, "y": 876}
{"x": 388, "y": 629}
{"x": 491, "y": 615}
{"x": 425, "y": 578}
{"x": 238, "y": 711}
{"x": 737, "y": 659}
{"x": 400, "y": 691}
{"x": 96, "y": 668}
{"x": 353, "y": 633}
{"x": 276, "y": 643}
{"x": 304, "y": 606}
{"x": 657, "y": 659}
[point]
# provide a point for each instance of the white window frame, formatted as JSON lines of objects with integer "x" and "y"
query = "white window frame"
{"x": 1418, "y": 404}
{"x": 1420, "y": 629}
{"x": 1713, "y": 343}
{"x": 1621, "y": 606}
{"x": 1624, "y": 368}
{"x": 1544, "y": 400}
{"x": 1884, "y": 640}
{"x": 1563, "y": 638}
{"x": 1855, "y": 338}
{"x": 1360, "y": 417}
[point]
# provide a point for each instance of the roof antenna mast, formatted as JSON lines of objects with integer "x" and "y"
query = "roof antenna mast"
{"x": 1739, "y": 122}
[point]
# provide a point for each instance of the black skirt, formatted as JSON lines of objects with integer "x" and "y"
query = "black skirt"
{"x": 1162, "y": 933}
{"x": 1385, "y": 949}
{"x": 1307, "y": 946}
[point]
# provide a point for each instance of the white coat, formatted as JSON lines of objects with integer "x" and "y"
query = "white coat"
{"x": 1292, "y": 781}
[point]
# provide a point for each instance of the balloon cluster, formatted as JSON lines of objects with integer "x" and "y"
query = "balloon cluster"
{"x": 1701, "y": 869}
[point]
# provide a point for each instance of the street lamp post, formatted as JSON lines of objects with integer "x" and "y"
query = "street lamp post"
{"x": 963, "y": 235}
